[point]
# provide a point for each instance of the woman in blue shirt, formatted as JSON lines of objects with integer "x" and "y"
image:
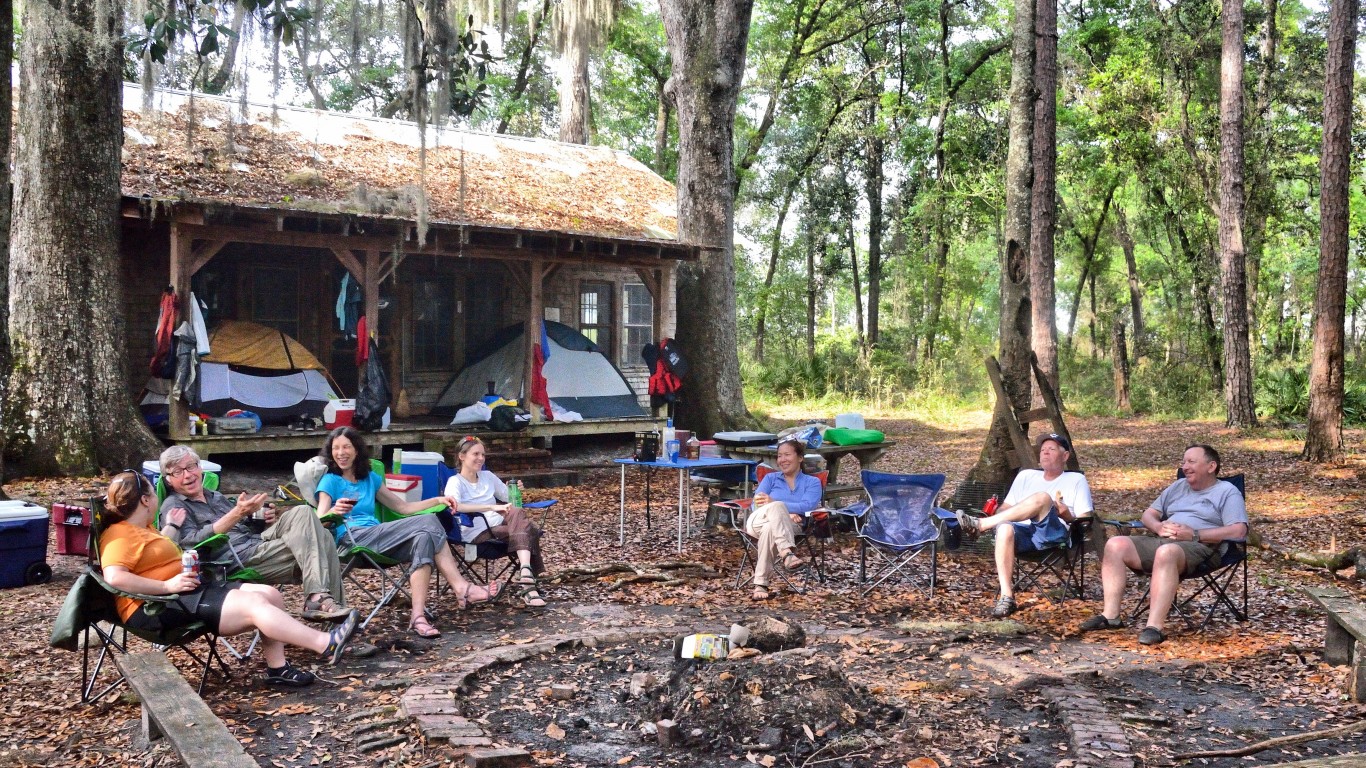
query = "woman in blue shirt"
{"x": 351, "y": 489}
{"x": 782, "y": 502}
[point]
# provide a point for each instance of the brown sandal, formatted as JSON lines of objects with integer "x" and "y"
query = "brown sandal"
{"x": 423, "y": 628}
{"x": 324, "y": 609}
{"x": 761, "y": 592}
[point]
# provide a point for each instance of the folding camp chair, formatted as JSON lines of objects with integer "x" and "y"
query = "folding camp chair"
{"x": 487, "y": 561}
{"x": 1065, "y": 561}
{"x": 815, "y": 531}
{"x": 217, "y": 561}
{"x": 88, "y": 620}
{"x": 1216, "y": 579}
{"x": 896, "y": 523}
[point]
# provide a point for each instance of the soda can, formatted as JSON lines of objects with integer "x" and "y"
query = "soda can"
{"x": 189, "y": 562}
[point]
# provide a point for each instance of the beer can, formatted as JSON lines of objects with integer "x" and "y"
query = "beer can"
{"x": 189, "y": 562}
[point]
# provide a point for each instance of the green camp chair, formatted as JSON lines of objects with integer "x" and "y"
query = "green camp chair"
{"x": 89, "y": 609}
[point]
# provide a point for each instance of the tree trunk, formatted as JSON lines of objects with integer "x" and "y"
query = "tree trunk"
{"x": 761, "y": 323}
{"x": 810, "y": 289}
{"x": 1126, "y": 242}
{"x": 1042, "y": 291}
{"x": 1121, "y": 367}
{"x": 1091, "y": 321}
{"x": 1262, "y": 198}
{"x": 1242, "y": 410}
{"x": 1323, "y": 442}
{"x": 993, "y": 465}
{"x": 1199, "y": 266}
{"x": 574, "y": 108}
{"x": 707, "y": 44}
{"x": 219, "y": 81}
{"x": 858, "y": 289}
{"x": 523, "y": 79}
{"x": 874, "y": 180}
{"x": 6, "y": 112}
{"x": 662, "y": 115}
{"x": 68, "y": 395}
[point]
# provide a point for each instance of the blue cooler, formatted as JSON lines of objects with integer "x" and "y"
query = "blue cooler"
{"x": 23, "y": 544}
{"x": 425, "y": 464}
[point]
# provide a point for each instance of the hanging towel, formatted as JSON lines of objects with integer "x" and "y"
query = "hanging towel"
{"x": 362, "y": 347}
{"x": 163, "y": 360}
{"x": 201, "y": 332}
{"x": 341, "y": 302}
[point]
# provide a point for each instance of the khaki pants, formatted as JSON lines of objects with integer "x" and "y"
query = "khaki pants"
{"x": 298, "y": 549}
{"x": 777, "y": 534}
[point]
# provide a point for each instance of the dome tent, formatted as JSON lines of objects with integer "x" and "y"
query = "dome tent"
{"x": 255, "y": 368}
{"x": 578, "y": 375}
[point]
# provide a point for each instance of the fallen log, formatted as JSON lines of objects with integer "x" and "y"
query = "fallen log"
{"x": 1276, "y": 743}
{"x": 1352, "y": 557}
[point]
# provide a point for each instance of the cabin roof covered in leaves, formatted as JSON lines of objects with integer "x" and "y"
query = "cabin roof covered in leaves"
{"x": 214, "y": 150}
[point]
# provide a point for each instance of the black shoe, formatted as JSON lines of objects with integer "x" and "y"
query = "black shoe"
{"x": 289, "y": 676}
{"x": 1100, "y": 622}
{"x": 339, "y": 637}
{"x": 1004, "y": 607}
{"x": 1151, "y": 636}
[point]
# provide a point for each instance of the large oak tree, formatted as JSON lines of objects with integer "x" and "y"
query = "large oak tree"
{"x": 68, "y": 409}
{"x": 707, "y": 44}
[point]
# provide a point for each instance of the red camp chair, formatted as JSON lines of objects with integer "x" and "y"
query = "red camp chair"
{"x": 815, "y": 532}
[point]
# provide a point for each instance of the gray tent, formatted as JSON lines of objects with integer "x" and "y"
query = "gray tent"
{"x": 578, "y": 376}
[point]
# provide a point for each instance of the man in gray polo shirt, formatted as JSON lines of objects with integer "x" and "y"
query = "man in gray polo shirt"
{"x": 1189, "y": 519}
{"x": 294, "y": 547}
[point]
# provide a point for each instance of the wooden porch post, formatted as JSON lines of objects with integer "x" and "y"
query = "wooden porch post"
{"x": 178, "y": 410}
{"x": 535, "y": 313}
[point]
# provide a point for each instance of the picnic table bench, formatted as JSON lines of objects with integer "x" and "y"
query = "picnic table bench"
{"x": 1346, "y": 627}
{"x": 171, "y": 708}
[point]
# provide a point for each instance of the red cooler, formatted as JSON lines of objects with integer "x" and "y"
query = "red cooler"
{"x": 73, "y": 529}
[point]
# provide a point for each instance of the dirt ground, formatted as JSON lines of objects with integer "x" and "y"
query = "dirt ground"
{"x": 926, "y": 677}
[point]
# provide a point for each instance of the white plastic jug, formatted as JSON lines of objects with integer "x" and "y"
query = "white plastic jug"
{"x": 849, "y": 421}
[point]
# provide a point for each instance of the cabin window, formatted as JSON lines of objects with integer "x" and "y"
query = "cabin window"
{"x": 638, "y": 322}
{"x": 595, "y": 314}
{"x": 275, "y": 298}
{"x": 434, "y": 323}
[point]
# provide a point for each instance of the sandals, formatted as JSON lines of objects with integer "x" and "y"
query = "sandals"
{"x": 529, "y": 593}
{"x": 491, "y": 593}
{"x": 423, "y": 628}
{"x": 339, "y": 637}
{"x": 289, "y": 676}
{"x": 323, "y": 609}
{"x": 761, "y": 592}
{"x": 792, "y": 562}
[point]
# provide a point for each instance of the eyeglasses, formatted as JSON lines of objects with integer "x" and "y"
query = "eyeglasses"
{"x": 178, "y": 471}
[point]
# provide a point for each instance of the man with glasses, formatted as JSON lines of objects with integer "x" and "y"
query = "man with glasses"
{"x": 293, "y": 548}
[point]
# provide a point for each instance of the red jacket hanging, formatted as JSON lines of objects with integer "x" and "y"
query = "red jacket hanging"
{"x": 165, "y": 334}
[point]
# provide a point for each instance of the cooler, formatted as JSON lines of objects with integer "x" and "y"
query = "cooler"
{"x": 424, "y": 464}
{"x": 152, "y": 469}
{"x": 407, "y": 486}
{"x": 73, "y": 529}
{"x": 23, "y": 544}
{"x": 338, "y": 413}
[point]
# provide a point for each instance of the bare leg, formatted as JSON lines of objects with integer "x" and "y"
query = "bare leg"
{"x": 259, "y": 606}
{"x": 1120, "y": 557}
{"x": 1005, "y": 559}
{"x": 1168, "y": 564}
{"x": 1035, "y": 507}
{"x": 421, "y": 580}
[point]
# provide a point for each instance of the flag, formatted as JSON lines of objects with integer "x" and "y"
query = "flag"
{"x": 540, "y": 395}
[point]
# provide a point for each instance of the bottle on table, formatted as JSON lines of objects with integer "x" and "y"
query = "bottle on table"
{"x": 694, "y": 447}
{"x": 670, "y": 441}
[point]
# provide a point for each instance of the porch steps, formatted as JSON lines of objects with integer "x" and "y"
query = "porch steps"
{"x": 504, "y": 462}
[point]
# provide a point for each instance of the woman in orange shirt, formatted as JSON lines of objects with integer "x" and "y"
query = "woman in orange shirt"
{"x": 136, "y": 558}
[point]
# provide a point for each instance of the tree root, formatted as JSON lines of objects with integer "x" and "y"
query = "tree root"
{"x": 1282, "y": 741}
{"x": 667, "y": 573}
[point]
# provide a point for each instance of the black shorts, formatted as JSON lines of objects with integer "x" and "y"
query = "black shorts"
{"x": 204, "y": 604}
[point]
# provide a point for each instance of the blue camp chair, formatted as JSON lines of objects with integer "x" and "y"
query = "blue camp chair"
{"x": 1216, "y": 579}
{"x": 487, "y": 561}
{"x": 898, "y": 521}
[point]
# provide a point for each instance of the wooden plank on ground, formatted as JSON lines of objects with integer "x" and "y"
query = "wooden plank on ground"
{"x": 178, "y": 713}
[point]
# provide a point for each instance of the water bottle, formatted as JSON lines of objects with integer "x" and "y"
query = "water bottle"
{"x": 514, "y": 493}
{"x": 669, "y": 439}
{"x": 989, "y": 508}
{"x": 398, "y": 461}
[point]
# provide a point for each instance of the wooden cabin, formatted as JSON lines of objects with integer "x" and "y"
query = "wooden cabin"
{"x": 261, "y": 210}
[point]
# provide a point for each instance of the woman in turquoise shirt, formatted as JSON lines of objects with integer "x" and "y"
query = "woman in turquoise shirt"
{"x": 350, "y": 489}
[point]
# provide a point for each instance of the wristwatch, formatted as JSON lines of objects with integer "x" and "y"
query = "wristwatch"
{"x": 1195, "y": 536}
